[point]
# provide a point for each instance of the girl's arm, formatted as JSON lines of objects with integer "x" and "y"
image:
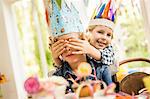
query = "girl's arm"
{"x": 57, "y": 62}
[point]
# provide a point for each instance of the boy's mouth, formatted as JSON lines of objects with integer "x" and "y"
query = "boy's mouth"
{"x": 101, "y": 43}
{"x": 101, "y": 46}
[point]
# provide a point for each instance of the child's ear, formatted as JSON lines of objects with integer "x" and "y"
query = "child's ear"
{"x": 88, "y": 35}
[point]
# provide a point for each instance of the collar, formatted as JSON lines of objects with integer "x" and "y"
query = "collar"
{"x": 68, "y": 71}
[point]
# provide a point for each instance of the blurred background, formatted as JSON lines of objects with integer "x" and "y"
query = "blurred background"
{"x": 24, "y": 49}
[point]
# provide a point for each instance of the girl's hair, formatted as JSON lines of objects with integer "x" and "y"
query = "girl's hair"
{"x": 51, "y": 40}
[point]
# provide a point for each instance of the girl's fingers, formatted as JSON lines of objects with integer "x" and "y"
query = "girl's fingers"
{"x": 78, "y": 52}
{"x": 56, "y": 54}
{"x": 57, "y": 43}
{"x": 59, "y": 53}
{"x": 58, "y": 46}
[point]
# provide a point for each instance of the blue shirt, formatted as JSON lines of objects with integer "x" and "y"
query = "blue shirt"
{"x": 66, "y": 72}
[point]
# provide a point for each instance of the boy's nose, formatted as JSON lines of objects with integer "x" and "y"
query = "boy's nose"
{"x": 104, "y": 37}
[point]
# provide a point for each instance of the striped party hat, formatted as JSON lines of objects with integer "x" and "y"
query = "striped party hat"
{"x": 104, "y": 14}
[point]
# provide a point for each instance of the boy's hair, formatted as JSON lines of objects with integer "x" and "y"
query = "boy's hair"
{"x": 91, "y": 28}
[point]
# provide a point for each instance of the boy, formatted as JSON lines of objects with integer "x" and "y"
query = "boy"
{"x": 100, "y": 28}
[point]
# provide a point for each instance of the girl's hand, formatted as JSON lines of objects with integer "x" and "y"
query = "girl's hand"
{"x": 58, "y": 48}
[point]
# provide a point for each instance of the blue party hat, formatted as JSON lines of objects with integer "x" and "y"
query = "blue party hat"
{"x": 64, "y": 18}
{"x": 105, "y": 15}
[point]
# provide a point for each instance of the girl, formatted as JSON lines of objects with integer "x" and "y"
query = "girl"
{"x": 98, "y": 48}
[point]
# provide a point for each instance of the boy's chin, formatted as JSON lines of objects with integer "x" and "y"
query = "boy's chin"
{"x": 100, "y": 47}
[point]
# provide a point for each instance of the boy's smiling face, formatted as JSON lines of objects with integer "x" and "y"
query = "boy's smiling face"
{"x": 101, "y": 36}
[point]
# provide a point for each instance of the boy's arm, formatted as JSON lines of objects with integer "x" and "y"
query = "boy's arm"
{"x": 106, "y": 56}
{"x": 94, "y": 53}
{"x": 84, "y": 47}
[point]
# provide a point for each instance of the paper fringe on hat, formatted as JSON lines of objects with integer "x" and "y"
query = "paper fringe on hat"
{"x": 104, "y": 14}
{"x": 104, "y": 22}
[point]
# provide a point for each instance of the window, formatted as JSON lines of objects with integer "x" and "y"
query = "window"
{"x": 33, "y": 36}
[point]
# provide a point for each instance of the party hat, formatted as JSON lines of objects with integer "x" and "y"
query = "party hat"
{"x": 104, "y": 14}
{"x": 64, "y": 18}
